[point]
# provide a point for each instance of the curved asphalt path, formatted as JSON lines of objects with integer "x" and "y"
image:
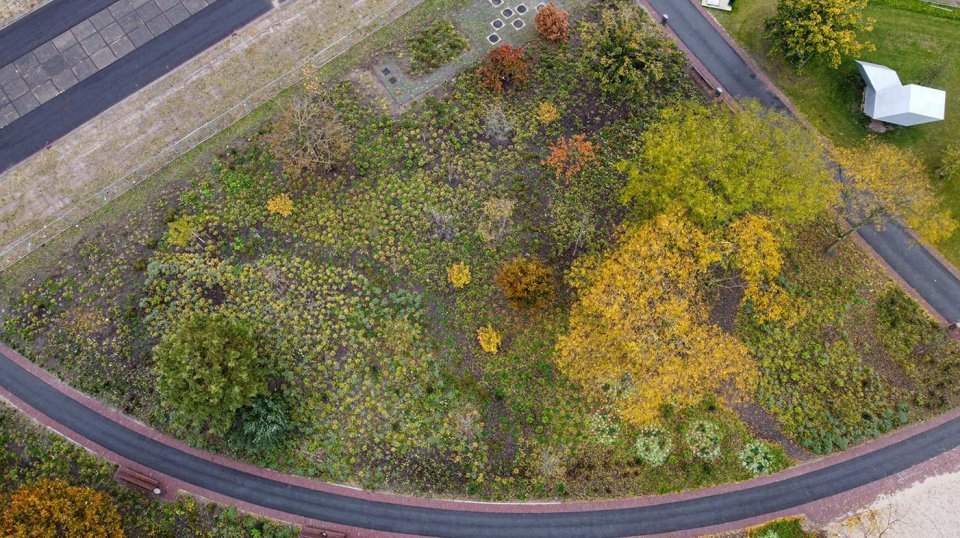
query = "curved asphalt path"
{"x": 915, "y": 263}
{"x": 475, "y": 520}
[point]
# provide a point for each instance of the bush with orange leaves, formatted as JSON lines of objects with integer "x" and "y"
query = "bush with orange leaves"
{"x": 503, "y": 66}
{"x": 553, "y": 23}
{"x": 571, "y": 155}
{"x": 55, "y": 508}
{"x": 525, "y": 282}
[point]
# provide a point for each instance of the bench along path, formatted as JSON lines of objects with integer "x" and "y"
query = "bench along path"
{"x": 934, "y": 281}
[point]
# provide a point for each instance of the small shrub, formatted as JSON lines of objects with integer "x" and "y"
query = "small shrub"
{"x": 525, "y": 282}
{"x": 309, "y": 137}
{"x": 497, "y": 126}
{"x": 458, "y": 275}
{"x": 571, "y": 155}
{"x": 502, "y": 67}
{"x": 489, "y": 339}
{"x": 280, "y": 204}
{"x": 496, "y": 217}
{"x": 703, "y": 438}
{"x": 653, "y": 446}
{"x": 184, "y": 231}
{"x": 140, "y": 265}
{"x": 757, "y": 458}
{"x": 434, "y": 46}
{"x": 261, "y": 428}
{"x": 547, "y": 113}
{"x": 604, "y": 429}
{"x": 552, "y": 23}
{"x": 950, "y": 162}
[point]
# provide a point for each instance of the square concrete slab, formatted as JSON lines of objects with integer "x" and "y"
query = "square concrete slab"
{"x": 103, "y": 58}
{"x": 122, "y": 46}
{"x": 84, "y": 69}
{"x": 194, "y": 6}
{"x": 138, "y": 3}
{"x": 15, "y": 88}
{"x": 25, "y": 103}
{"x": 8, "y": 73}
{"x": 46, "y": 91}
{"x": 130, "y": 21}
{"x": 148, "y": 10}
{"x": 140, "y": 36}
{"x": 165, "y": 5}
{"x": 102, "y": 19}
{"x": 121, "y": 8}
{"x": 159, "y": 24}
{"x": 64, "y": 41}
{"x": 65, "y": 80}
{"x": 92, "y": 43}
{"x": 54, "y": 66}
{"x": 26, "y": 62}
{"x": 46, "y": 51}
{"x": 35, "y": 76}
{"x": 112, "y": 33}
{"x": 83, "y": 29}
{"x": 75, "y": 55}
{"x": 8, "y": 114}
{"x": 177, "y": 14}
{"x": 4, "y": 100}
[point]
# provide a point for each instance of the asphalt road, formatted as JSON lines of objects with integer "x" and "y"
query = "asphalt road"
{"x": 675, "y": 516}
{"x": 913, "y": 262}
{"x": 109, "y": 86}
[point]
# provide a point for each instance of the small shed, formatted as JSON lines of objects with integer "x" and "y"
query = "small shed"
{"x": 888, "y": 100}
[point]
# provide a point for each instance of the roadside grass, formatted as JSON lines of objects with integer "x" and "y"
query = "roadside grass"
{"x": 923, "y": 47}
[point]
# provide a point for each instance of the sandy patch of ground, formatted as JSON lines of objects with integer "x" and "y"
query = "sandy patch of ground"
{"x": 11, "y": 9}
{"x": 927, "y": 509}
{"x": 103, "y": 158}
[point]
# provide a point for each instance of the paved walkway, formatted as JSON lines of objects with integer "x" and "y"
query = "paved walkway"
{"x": 127, "y": 442}
{"x": 933, "y": 279}
{"x": 54, "y": 79}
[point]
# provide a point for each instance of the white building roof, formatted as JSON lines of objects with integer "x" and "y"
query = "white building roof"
{"x": 889, "y": 101}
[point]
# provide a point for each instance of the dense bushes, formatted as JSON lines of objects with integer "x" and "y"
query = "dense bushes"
{"x": 53, "y": 508}
{"x": 434, "y": 46}
{"x": 552, "y": 23}
{"x": 630, "y": 56}
{"x": 208, "y": 369}
{"x": 308, "y": 137}
{"x": 525, "y": 281}
{"x": 503, "y": 67}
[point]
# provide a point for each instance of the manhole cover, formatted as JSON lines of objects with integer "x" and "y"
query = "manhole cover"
{"x": 507, "y": 13}
{"x": 393, "y": 80}
{"x": 497, "y": 24}
{"x": 541, "y": 6}
{"x": 521, "y": 9}
{"x": 385, "y": 71}
{"x": 493, "y": 38}
{"x": 496, "y": 3}
{"x": 518, "y": 24}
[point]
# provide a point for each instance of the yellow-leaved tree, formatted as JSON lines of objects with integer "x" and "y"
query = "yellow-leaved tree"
{"x": 639, "y": 332}
{"x": 882, "y": 181}
{"x": 802, "y": 30}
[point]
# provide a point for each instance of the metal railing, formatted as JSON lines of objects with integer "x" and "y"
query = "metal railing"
{"x": 74, "y": 214}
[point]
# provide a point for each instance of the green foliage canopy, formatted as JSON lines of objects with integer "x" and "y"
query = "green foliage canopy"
{"x": 719, "y": 165}
{"x": 208, "y": 369}
{"x": 805, "y": 29}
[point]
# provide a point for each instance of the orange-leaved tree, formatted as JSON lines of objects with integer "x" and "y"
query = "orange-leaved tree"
{"x": 571, "y": 155}
{"x": 553, "y": 23}
{"x": 503, "y": 66}
{"x": 54, "y": 509}
{"x": 639, "y": 335}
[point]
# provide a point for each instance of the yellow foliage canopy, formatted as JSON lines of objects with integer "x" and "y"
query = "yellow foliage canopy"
{"x": 458, "y": 275}
{"x": 640, "y": 325}
{"x": 53, "y": 508}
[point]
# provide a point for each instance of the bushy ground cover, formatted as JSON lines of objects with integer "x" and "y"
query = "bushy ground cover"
{"x": 434, "y": 46}
{"x": 29, "y": 455}
{"x": 406, "y": 279}
{"x": 919, "y": 41}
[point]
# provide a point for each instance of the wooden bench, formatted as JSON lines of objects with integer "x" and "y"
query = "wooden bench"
{"x": 140, "y": 480}
{"x": 313, "y": 532}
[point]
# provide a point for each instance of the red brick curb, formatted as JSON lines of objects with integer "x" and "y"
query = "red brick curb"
{"x": 824, "y": 509}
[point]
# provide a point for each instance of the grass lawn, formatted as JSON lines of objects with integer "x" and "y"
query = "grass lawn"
{"x": 923, "y": 48}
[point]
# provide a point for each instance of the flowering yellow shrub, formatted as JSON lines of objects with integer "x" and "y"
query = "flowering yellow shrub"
{"x": 547, "y": 113}
{"x": 458, "y": 274}
{"x": 489, "y": 339}
{"x": 280, "y": 204}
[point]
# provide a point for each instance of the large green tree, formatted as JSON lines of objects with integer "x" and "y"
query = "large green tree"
{"x": 208, "y": 369}
{"x": 719, "y": 166}
{"x": 802, "y": 30}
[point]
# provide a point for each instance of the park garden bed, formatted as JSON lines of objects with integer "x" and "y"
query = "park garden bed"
{"x": 403, "y": 297}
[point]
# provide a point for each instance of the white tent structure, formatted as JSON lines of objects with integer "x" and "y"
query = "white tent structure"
{"x": 890, "y": 101}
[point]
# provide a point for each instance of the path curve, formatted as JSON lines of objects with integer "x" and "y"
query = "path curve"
{"x": 127, "y": 442}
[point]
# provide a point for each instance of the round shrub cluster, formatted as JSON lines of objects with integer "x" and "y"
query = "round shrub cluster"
{"x": 653, "y": 446}
{"x": 757, "y": 458}
{"x": 703, "y": 437}
{"x": 604, "y": 429}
